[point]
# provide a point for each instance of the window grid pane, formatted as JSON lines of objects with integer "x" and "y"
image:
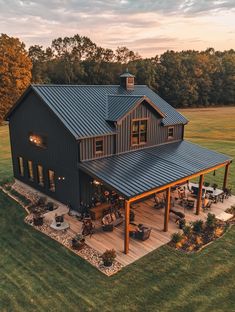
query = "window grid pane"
{"x": 99, "y": 146}
{"x": 30, "y": 170}
{"x": 21, "y": 166}
{"x": 40, "y": 175}
{"x": 139, "y": 132}
{"x": 51, "y": 176}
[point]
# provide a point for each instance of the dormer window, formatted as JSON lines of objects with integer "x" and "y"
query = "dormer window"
{"x": 38, "y": 140}
{"x": 99, "y": 146}
{"x": 170, "y": 133}
{"x": 139, "y": 132}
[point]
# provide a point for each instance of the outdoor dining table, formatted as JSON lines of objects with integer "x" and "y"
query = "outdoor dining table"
{"x": 214, "y": 193}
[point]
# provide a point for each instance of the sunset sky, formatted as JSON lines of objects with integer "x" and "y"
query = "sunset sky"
{"x": 145, "y": 26}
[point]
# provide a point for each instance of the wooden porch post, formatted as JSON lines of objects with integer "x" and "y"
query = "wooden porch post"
{"x": 199, "y": 195}
{"x": 226, "y": 176}
{"x": 127, "y": 221}
{"x": 167, "y": 209}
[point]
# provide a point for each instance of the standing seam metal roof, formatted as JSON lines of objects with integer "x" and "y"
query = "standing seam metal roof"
{"x": 140, "y": 171}
{"x": 83, "y": 109}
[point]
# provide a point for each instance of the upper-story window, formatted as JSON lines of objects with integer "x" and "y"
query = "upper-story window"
{"x": 38, "y": 140}
{"x": 99, "y": 146}
{"x": 30, "y": 170}
{"x": 139, "y": 131}
{"x": 170, "y": 132}
{"x": 21, "y": 166}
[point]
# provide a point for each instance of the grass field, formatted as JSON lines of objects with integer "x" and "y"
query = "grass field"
{"x": 38, "y": 274}
{"x": 214, "y": 128}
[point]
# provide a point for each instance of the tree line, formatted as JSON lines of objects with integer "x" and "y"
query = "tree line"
{"x": 184, "y": 79}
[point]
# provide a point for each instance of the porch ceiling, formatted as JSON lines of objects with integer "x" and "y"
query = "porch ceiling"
{"x": 137, "y": 172}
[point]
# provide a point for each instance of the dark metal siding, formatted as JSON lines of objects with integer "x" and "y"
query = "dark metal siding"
{"x": 156, "y": 133}
{"x": 87, "y": 147}
{"x": 61, "y": 155}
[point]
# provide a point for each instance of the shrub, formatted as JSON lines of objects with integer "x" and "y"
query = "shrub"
{"x": 198, "y": 226}
{"x": 176, "y": 237}
{"x": 21, "y": 197}
{"x": 211, "y": 221}
{"x": 50, "y": 206}
{"x": 108, "y": 257}
{"x": 41, "y": 201}
{"x": 214, "y": 185}
{"x": 187, "y": 230}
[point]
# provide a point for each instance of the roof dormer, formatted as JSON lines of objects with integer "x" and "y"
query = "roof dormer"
{"x": 127, "y": 80}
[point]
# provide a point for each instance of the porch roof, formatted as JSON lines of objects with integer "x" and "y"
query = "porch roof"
{"x": 138, "y": 172}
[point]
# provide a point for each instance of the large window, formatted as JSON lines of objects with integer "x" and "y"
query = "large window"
{"x": 40, "y": 175}
{"x": 30, "y": 170}
{"x": 139, "y": 132}
{"x": 21, "y": 166}
{"x": 99, "y": 146}
{"x": 170, "y": 133}
{"x": 51, "y": 177}
{"x": 38, "y": 140}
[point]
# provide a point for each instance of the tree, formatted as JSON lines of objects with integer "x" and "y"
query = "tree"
{"x": 15, "y": 71}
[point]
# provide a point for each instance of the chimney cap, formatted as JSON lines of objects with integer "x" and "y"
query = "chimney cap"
{"x": 126, "y": 74}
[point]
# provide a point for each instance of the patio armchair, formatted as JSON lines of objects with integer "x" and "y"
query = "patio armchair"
{"x": 143, "y": 233}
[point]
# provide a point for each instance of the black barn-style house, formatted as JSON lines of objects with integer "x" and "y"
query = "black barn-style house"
{"x": 67, "y": 140}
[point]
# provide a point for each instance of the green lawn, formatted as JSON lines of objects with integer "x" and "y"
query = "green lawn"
{"x": 213, "y": 128}
{"x": 5, "y": 154}
{"x": 38, "y": 274}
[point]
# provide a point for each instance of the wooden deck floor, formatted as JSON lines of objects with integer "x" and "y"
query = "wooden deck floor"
{"x": 149, "y": 216}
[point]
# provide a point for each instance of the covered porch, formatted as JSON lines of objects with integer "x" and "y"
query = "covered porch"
{"x": 148, "y": 215}
{"x": 137, "y": 176}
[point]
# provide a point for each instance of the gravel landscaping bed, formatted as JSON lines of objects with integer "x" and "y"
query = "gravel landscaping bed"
{"x": 87, "y": 253}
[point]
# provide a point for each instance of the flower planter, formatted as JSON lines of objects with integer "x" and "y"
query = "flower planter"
{"x": 78, "y": 244}
{"x": 108, "y": 263}
{"x": 38, "y": 221}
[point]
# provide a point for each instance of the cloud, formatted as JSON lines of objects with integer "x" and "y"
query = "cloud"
{"x": 140, "y": 25}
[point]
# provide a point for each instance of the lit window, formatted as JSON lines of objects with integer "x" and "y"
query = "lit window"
{"x": 40, "y": 175}
{"x": 130, "y": 80}
{"x": 21, "y": 166}
{"x": 51, "y": 176}
{"x": 139, "y": 132}
{"x": 170, "y": 132}
{"x": 38, "y": 140}
{"x": 99, "y": 146}
{"x": 30, "y": 170}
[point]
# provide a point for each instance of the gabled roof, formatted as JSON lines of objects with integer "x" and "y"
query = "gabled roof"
{"x": 83, "y": 109}
{"x": 137, "y": 172}
{"x": 120, "y": 105}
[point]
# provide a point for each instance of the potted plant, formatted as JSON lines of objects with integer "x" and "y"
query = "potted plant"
{"x": 78, "y": 242}
{"x": 108, "y": 257}
{"x": 50, "y": 206}
{"x": 214, "y": 185}
{"x": 37, "y": 219}
{"x": 181, "y": 223}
